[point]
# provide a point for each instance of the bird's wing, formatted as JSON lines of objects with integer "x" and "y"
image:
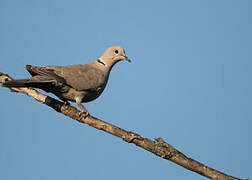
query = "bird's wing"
{"x": 45, "y": 73}
{"x": 80, "y": 77}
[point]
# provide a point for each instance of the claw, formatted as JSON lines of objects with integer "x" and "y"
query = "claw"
{"x": 84, "y": 110}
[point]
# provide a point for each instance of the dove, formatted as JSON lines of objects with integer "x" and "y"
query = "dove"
{"x": 75, "y": 83}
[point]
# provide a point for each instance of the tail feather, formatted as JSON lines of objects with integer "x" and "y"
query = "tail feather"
{"x": 26, "y": 83}
{"x": 16, "y": 83}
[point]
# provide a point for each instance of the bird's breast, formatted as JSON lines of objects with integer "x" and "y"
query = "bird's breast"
{"x": 92, "y": 95}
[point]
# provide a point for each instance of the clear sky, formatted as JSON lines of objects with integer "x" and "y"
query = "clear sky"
{"x": 189, "y": 82}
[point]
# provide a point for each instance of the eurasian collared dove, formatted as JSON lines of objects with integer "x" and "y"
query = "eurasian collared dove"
{"x": 77, "y": 83}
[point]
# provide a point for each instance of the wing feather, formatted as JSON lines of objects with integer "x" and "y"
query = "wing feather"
{"x": 80, "y": 77}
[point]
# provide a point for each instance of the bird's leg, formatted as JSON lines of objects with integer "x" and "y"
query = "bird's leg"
{"x": 78, "y": 100}
{"x": 84, "y": 110}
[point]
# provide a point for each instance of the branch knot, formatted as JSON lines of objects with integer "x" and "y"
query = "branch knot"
{"x": 164, "y": 149}
{"x": 131, "y": 136}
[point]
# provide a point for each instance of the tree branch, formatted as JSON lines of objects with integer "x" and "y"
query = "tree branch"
{"x": 158, "y": 147}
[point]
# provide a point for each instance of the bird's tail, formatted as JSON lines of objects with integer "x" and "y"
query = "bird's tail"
{"x": 26, "y": 83}
{"x": 17, "y": 83}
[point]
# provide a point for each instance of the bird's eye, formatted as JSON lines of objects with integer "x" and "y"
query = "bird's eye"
{"x": 116, "y": 51}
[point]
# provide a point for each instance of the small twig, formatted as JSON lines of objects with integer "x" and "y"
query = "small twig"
{"x": 158, "y": 147}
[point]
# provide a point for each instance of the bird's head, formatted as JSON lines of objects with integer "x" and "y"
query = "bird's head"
{"x": 114, "y": 54}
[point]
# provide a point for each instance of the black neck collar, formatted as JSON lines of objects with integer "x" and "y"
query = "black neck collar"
{"x": 101, "y": 62}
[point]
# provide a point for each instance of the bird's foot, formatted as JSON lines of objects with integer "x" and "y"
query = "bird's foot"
{"x": 84, "y": 112}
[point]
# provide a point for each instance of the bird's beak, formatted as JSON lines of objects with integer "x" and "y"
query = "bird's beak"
{"x": 127, "y": 59}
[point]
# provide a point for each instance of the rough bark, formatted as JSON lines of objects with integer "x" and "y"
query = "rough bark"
{"x": 158, "y": 147}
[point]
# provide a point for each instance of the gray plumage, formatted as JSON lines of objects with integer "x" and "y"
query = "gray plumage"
{"x": 77, "y": 83}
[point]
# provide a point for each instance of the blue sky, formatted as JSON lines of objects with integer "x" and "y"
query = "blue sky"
{"x": 189, "y": 82}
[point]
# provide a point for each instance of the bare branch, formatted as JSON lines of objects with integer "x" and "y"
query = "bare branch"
{"x": 158, "y": 147}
